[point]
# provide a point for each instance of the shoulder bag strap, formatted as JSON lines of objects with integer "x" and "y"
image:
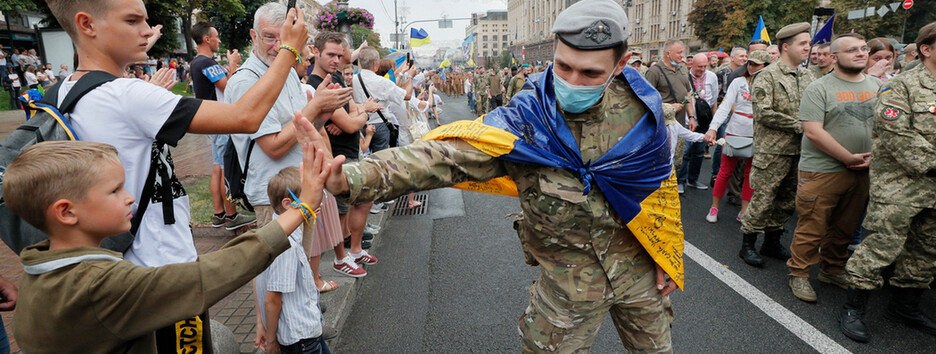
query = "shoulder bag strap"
{"x": 366, "y": 94}
{"x": 668, "y": 83}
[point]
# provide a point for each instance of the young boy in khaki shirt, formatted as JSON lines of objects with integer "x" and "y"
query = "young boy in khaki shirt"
{"x": 76, "y": 297}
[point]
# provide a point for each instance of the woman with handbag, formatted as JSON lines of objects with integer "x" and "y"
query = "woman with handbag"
{"x": 739, "y": 135}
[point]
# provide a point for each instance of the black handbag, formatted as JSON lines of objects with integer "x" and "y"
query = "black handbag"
{"x": 703, "y": 112}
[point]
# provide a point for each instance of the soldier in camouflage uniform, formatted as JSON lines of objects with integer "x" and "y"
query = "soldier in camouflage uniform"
{"x": 591, "y": 263}
{"x": 481, "y": 83}
{"x": 901, "y": 217}
{"x": 777, "y": 135}
{"x": 516, "y": 82}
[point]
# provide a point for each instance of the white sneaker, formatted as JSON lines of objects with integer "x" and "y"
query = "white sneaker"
{"x": 374, "y": 229}
{"x": 712, "y": 216}
{"x": 697, "y": 185}
{"x": 681, "y": 188}
{"x": 376, "y": 208}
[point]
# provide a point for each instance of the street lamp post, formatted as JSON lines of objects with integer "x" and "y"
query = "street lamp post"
{"x": 343, "y": 25}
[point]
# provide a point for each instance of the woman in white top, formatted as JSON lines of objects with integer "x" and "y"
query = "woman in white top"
{"x": 31, "y": 79}
{"x": 738, "y": 103}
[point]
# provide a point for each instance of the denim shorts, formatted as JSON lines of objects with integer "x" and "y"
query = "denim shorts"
{"x": 218, "y": 142}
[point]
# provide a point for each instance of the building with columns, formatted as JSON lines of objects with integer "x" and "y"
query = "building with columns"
{"x": 491, "y": 36}
{"x": 652, "y": 22}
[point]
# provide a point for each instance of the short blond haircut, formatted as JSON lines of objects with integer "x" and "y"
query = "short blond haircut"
{"x": 65, "y": 11}
{"x": 51, "y": 171}
{"x": 278, "y": 189}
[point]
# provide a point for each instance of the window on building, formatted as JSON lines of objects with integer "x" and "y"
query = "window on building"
{"x": 494, "y": 45}
{"x": 505, "y": 37}
{"x": 484, "y": 46}
{"x": 504, "y": 44}
{"x": 496, "y": 53}
{"x": 484, "y": 38}
{"x": 485, "y": 53}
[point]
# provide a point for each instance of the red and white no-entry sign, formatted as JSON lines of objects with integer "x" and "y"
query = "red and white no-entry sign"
{"x": 907, "y": 4}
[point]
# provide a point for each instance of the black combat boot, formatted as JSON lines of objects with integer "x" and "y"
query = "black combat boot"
{"x": 748, "y": 252}
{"x": 772, "y": 247}
{"x": 851, "y": 316}
{"x": 904, "y": 307}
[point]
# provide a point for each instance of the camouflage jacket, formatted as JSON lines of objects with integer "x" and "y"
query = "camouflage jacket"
{"x": 777, "y": 91}
{"x": 581, "y": 244}
{"x": 903, "y": 162}
{"x": 480, "y": 85}
{"x": 516, "y": 83}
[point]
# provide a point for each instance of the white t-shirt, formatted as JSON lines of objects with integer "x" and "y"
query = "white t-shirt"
{"x": 3, "y": 56}
{"x": 141, "y": 120}
{"x": 292, "y": 98}
{"x": 381, "y": 88}
{"x": 31, "y": 79}
{"x": 49, "y": 75}
{"x": 15, "y": 80}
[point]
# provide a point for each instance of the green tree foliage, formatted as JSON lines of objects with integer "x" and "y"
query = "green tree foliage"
{"x": 728, "y": 23}
{"x": 159, "y": 14}
{"x": 504, "y": 59}
{"x": 12, "y": 8}
{"x": 360, "y": 33}
{"x": 185, "y": 8}
{"x": 234, "y": 30}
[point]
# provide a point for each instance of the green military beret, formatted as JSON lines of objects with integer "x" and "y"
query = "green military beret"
{"x": 792, "y": 30}
{"x": 592, "y": 25}
{"x": 759, "y": 57}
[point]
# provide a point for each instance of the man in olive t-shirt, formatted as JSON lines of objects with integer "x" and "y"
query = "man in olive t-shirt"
{"x": 837, "y": 112}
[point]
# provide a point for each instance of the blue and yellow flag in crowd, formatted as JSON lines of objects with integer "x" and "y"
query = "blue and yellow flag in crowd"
{"x": 636, "y": 175}
{"x": 760, "y": 32}
{"x": 825, "y": 34}
{"x": 419, "y": 37}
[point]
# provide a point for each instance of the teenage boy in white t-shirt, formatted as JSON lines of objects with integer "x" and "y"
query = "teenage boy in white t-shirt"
{"x": 141, "y": 120}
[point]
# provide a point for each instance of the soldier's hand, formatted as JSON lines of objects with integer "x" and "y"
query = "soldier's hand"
{"x": 664, "y": 284}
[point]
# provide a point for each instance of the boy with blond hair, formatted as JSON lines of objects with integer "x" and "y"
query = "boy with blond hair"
{"x": 142, "y": 120}
{"x": 74, "y": 192}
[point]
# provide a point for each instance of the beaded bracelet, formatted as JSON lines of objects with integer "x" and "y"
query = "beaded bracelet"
{"x": 294, "y": 51}
{"x": 307, "y": 212}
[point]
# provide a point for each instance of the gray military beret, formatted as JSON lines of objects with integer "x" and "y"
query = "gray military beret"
{"x": 592, "y": 25}
{"x": 792, "y": 30}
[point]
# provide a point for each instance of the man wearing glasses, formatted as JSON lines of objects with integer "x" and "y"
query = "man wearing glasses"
{"x": 836, "y": 113}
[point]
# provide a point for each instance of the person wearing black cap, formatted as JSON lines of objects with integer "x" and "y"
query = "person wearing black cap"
{"x": 778, "y": 132}
{"x": 592, "y": 261}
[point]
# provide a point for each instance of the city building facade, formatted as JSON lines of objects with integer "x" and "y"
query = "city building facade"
{"x": 491, "y": 36}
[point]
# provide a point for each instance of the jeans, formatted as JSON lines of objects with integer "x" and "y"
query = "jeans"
{"x": 4, "y": 342}
{"x": 315, "y": 345}
{"x": 381, "y": 139}
{"x": 716, "y": 156}
{"x": 692, "y": 162}
{"x": 471, "y": 103}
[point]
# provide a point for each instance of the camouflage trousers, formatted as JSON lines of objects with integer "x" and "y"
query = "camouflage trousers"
{"x": 678, "y": 156}
{"x": 481, "y": 102}
{"x": 642, "y": 317}
{"x": 773, "y": 178}
{"x": 899, "y": 234}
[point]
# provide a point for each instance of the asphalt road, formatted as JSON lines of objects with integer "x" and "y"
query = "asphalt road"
{"x": 453, "y": 280}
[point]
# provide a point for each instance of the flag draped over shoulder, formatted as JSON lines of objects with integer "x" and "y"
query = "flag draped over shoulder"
{"x": 419, "y": 37}
{"x": 636, "y": 175}
{"x": 760, "y": 32}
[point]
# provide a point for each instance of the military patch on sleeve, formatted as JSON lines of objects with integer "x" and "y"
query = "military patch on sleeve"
{"x": 891, "y": 113}
{"x": 760, "y": 94}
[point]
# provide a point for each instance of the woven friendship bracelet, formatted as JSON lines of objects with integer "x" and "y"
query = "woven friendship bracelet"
{"x": 294, "y": 51}
{"x": 309, "y": 215}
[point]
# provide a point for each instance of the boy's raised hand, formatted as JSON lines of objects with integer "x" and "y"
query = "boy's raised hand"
{"x": 294, "y": 32}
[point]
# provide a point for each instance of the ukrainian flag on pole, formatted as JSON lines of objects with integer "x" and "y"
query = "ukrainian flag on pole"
{"x": 761, "y": 31}
{"x": 419, "y": 37}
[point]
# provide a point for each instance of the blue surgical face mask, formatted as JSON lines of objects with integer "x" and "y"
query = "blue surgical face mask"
{"x": 577, "y": 99}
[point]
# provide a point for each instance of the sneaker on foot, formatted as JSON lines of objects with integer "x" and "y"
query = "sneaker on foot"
{"x": 239, "y": 220}
{"x": 374, "y": 229}
{"x": 712, "y": 216}
{"x": 853, "y": 247}
{"x": 364, "y": 258}
{"x": 697, "y": 185}
{"x": 802, "y": 289}
{"x": 364, "y": 244}
{"x": 329, "y": 332}
{"x": 740, "y": 216}
{"x": 680, "y": 188}
{"x": 217, "y": 221}
{"x": 367, "y": 236}
{"x": 348, "y": 267}
{"x": 376, "y": 208}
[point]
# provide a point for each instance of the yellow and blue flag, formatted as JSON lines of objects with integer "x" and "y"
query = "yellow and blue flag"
{"x": 419, "y": 37}
{"x": 636, "y": 175}
{"x": 445, "y": 63}
{"x": 825, "y": 34}
{"x": 760, "y": 32}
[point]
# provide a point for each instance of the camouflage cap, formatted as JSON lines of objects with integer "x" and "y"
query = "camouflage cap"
{"x": 592, "y": 25}
{"x": 759, "y": 57}
{"x": 792, "y": 30}
{"x": 636, "y": 50}
{"x": 634, "y": 60}
{"x": 909, "y": 48}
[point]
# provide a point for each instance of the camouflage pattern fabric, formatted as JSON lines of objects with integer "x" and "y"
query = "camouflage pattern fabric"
{"x": 480, "y": 88}
{"x": 773, "y": 178}
{"x": 901, "y": 235}
{"x": 516, "y": 83}
{"x": 585, "y": 252}
{"x": 778, "y": 134}
{"x": 903, "y": 186}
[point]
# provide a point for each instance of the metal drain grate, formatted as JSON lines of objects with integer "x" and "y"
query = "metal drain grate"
{"x": 400, "y": 207}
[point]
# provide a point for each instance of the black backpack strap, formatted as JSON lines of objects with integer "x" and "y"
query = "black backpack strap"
{"x": 247, "y": 159}
{"x": 85, "y": 84}
{"x": 149, "y": 189}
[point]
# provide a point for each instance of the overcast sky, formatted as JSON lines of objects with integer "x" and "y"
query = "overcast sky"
{"x": 412, "y": 10}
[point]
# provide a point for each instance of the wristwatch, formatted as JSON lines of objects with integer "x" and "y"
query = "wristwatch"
{"x": 691, "y": 117}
